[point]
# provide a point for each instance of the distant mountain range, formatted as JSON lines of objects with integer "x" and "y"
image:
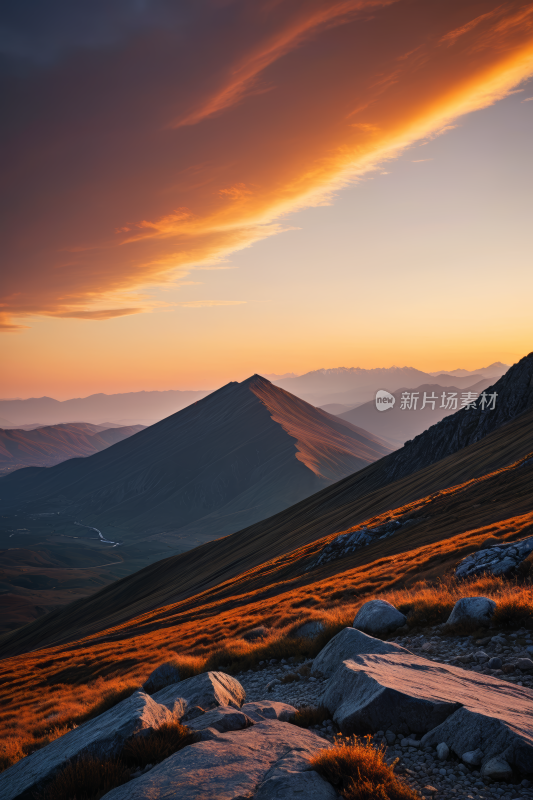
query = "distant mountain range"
{"x": 354, "y": 386}
{"x": 492, "y": 371}
{"x": 399, "y": 424}
{"x": 237, "y": 456}
{"x": 46, "y": 446}
{"x": 131, "y": 408}
{"x": 341, "y": 386}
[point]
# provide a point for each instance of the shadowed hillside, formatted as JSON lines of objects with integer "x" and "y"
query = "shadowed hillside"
{"x": 52, "y": 444}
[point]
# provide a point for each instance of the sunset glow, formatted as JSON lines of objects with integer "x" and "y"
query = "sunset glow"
{"x": 119, "y": 194}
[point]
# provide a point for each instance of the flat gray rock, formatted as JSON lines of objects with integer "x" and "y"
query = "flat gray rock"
{"x": 268, "y": 709}
{"x": 350, "y": 643}
{"x": 472, "y": 609}
{"x": 377, "y": 618}
{"x": 100, "y": 737}
{"x": 229, "y": 767}
{"x": 221, "y": 719}
{"x": 208, "y": 690}
{"x": 301, "y": 786}
{"x": 476, "y": 711}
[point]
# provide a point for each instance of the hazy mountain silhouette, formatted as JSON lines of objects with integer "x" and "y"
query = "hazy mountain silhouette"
{"x": 495, "y": 370}
{"x": 398, "y": 424}
{"x": 135, "y": 407}
{"x": 353, "y": 386}
{"x": 241, "y": 454}
{"x": 49, "y": 445}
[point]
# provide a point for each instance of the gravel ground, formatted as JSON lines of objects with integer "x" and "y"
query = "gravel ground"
{"x": 419, "y": 766}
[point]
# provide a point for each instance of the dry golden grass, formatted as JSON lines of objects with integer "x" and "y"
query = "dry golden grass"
{"x": 359, "y": 772}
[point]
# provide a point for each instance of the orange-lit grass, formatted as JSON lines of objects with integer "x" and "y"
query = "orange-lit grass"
{"x": 210, "y": 636}
{"x": 358, "y": 770}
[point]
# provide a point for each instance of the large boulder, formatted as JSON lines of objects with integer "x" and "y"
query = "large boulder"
{"x": 475, "y": 711}
{"x": 378, "y": 618}
{"x": 101, "y": 737}
{"x": 164, "y": 675}
{"x": 228, "y": 766}
{"x": 477, "y": 610}
{"x": 208, "y": 690}
{"x": 385, "y": 692}
{"x": 349, "y": 643}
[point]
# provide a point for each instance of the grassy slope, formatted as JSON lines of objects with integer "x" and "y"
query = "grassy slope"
{"x": 258, "y": 556}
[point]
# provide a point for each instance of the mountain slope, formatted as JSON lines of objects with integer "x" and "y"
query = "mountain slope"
{"x": 267, "y": 551}
{"x": 52, "y": 444}
{"x": 276, "y": 551}
{"x": 231, "y": 459}
{"x": 399, "y": 424}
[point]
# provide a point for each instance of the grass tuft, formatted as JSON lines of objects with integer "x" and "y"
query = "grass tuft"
{"x": 157, "y": 745}
{"x": 87, "y": 779}
{"x": 358, "y": 770}
{"x": 307, "y": 716}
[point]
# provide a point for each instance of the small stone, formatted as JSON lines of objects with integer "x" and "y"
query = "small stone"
{"x": 497, "y": 769}
{"x": 443, "y": 751}
{"x": 473, "y": 757}
{"x": 495, "y": 663}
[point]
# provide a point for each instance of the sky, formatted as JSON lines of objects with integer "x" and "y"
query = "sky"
{"x": 194, "y": 192}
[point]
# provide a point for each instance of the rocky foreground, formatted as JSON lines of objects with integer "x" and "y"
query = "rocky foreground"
{"x": 457, "y": 714}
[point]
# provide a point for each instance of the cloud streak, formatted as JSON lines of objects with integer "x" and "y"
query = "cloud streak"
{"x": 176, "y": 144}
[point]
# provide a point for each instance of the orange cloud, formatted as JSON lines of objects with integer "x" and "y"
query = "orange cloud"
{"x": 115, "y": 183}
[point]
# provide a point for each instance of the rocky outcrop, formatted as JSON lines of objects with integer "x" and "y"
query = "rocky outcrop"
{"x": 349, "y": 643}
{"x": 347, "y": 543}
{"x": 477, "y": 610}
{"x": 100, "y": 737}
{"x": 242, "y": 764}
{"x": 378, "y": 618}
{"x": 498, "y": 559}
{"x": 205, "y": 691}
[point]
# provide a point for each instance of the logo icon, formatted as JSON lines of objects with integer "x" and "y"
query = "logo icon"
{"x": 384, "y": 400}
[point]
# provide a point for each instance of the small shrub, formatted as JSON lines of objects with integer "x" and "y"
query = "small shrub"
{"x": 306, "y": 716}
{"x": 359, "y": 772}
{"x": 157, "y": 745}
